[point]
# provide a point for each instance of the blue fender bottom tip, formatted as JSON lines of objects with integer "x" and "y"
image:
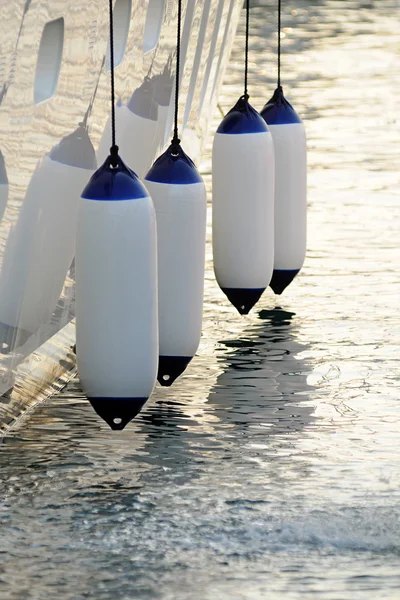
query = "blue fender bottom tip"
{"x": 281, "y": 278}
{"x": 170, "y": 368}
{"x": 243, "y": 299}
{"x": 117, "y": 412}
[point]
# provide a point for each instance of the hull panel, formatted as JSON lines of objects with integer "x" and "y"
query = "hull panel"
{"x": 37, "y": 289}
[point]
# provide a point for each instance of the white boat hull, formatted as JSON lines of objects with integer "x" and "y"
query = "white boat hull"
{"x": 53, "y": 76}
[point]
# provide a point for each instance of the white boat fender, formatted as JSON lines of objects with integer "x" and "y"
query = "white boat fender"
{"x": 116, "y": 293}
{"x": 179, "y": 197}
{"x": 243, "y": 205}
{"x": 290, "y": 146}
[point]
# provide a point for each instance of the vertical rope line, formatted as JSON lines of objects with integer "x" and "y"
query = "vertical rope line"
{"x": 279, "y": 43}
{"x": 246, "y": 53}
{"x": 93, "y": 98}
{"x": 114, "y": 148}
{"x": 175, "y": 139}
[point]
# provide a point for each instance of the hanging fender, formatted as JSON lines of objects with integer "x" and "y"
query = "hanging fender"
{"x": 290, "y": 147}
{"x": 243, "y": 175}
{"x": 179, "y": 197}
{"x": 116, "y": 294}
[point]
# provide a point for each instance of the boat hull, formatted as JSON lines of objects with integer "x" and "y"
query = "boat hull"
{"x": 53, "y": 81}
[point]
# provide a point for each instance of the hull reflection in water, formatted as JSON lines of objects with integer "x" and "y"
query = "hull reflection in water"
{"x": 141, "y": 123}
{"x": 261, "y": 377}
{"x": 116, "y": 293}
{"x": 3, "y": 186}
{"x": 53, "y": 67}
{"x": 41, "y": 246}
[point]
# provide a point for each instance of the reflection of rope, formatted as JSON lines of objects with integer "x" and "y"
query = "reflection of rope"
{"x": 279, "y": 43}
{"x": 246, "y": 53}
{"x": 11, "y": 75}
{"x": 114, "y": 147}
{"x": 3, "y": 91}
{"x": 175, "y": 140}
{"x": 93, "y": 98}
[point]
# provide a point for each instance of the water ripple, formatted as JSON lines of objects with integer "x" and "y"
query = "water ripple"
{"x": 270, "y": 469}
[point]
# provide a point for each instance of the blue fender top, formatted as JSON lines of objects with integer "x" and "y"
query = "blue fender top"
{"x": 174, "y": 167}
{"x": 114, "y": 183}
{"x": 278, "y": 111}
{"x": 242, "y": 118}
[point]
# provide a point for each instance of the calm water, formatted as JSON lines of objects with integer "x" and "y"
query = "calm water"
{"x": 271, "y": 469}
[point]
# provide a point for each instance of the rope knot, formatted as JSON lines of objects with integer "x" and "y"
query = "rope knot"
{"x": 114, "y": 155}
{"x": 175, "y": 147}
{"x": 175, "y": 140}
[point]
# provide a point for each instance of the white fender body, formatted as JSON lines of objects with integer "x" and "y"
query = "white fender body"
{"x": 243, "y": 207}
{"x": 116, "y": 299}
{"x": 179, "y": 197}
{"x": 290, "y": 147}
{"x": 290, "y": 195}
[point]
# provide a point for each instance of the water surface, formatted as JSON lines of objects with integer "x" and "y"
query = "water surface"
{"x": 271, "y": 468}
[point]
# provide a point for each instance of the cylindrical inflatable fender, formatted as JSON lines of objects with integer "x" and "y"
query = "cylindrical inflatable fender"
{"x": 179, "y": 197}
{"x": 136, "y": 126}
{"x": 41, "y": 246}
{"x": 3, "y": 186}
{"x": 116, "y": 294}
{"x": 290, "y": 147}
{"x": 243, "y": 175}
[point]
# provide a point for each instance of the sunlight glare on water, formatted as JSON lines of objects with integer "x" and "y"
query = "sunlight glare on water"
{"x": 271, "y": 468}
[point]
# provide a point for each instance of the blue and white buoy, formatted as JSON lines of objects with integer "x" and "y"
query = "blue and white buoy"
{"x": 243, "y": 175}
{"x": 179, "y": 197}
{"x": 290, "y": 147}
{"x": 116, "y": 293}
